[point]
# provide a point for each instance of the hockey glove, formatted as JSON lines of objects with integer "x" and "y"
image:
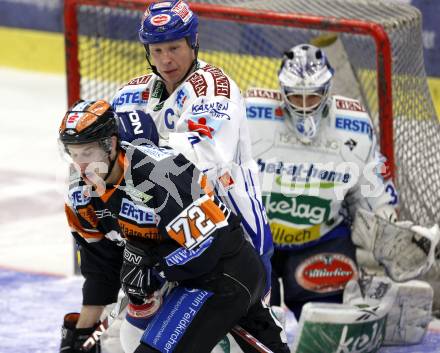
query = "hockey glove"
{"x": 139, "y": 277}
{"x": 72, "y": 338}
{"x": 137, "y": 128}
{"x": 405, "y": 250}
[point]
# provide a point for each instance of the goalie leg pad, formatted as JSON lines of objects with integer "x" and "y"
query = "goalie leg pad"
{"x": 410, "y": 315}
{"x": 407, "y": 306}
{"x": 327, "y": 327}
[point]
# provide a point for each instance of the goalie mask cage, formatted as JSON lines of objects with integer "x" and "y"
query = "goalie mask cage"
{"x": 380, "y": 41}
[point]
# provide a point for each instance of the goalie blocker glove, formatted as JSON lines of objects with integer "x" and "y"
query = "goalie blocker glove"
{"x": 72, "y": 338}
{"x": 405, "y": 250}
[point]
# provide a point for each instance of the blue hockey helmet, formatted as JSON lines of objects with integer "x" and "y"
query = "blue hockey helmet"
{"x": 167, "y": 21}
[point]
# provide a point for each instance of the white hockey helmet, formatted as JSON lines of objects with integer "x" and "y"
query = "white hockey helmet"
{"x": 305, "y": 77}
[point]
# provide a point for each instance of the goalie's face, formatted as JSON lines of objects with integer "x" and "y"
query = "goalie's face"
{"x": 172, "y": 60}
{"x": 305, "y": 78}
{"x": 306, "y": 102}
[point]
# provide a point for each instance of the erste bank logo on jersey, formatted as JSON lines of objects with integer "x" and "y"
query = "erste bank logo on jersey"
{"x": 132, "y": 97}
{"x": 264, "y": 112}
{"x": 137, "y": 213}
{"x": 360, "y": 126}
{"x": 78, "y": 198}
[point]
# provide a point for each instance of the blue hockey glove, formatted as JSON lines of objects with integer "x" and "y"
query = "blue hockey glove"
{"x": 136, "y": 125}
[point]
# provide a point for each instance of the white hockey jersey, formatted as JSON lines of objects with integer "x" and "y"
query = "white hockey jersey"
{"x": 309, "y": 190}
{"x": 205, "y": 120}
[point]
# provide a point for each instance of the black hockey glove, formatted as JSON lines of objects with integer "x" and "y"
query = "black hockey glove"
{"x": 72, "y": 338}
{"x": 139, "y": 277}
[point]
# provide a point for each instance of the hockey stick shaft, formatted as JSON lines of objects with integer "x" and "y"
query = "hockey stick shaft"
{"x": 251, "y": 340}
{"x": 105, "y": 324}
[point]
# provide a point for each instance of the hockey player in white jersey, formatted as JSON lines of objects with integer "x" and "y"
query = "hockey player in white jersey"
{"x": 200, "y": 112}
{"x": 319, "y": 162}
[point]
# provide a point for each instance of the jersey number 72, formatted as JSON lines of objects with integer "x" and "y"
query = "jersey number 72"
{"x": 196, "y": 223}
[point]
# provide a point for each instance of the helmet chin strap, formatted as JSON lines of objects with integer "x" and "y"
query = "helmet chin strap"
{"x": 111, "y": 164}
{"x": 110, "y": 167}
{"x": 152, "y": 67}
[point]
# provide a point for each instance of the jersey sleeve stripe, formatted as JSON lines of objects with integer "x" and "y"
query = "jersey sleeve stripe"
{"x": 90, "y": 235}
{"x": 259, "y": 241}
{"x": 262, "y": 215}
{"x": 255, "y": 236}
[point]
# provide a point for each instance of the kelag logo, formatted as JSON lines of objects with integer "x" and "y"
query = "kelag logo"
{"x": 357, "y": 337}
{"x": 300, "y": 209}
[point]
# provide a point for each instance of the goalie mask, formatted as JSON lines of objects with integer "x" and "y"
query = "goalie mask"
{"x": 305, "y": 78}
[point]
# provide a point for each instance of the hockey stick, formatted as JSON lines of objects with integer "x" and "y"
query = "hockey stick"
{"x": 105, "y": 324}
{"x": 249, "y": 339}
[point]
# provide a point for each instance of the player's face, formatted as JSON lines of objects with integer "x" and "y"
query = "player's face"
{"x": 172, "y": 60}
{"x": 91, "y": 161}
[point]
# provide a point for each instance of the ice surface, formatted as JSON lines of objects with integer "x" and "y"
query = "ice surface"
{"x": 32, "y": 309}
{"x": 33, "y": 231}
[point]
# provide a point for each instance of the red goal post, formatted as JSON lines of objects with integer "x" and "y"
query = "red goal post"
{"x": 377, "y": 77}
